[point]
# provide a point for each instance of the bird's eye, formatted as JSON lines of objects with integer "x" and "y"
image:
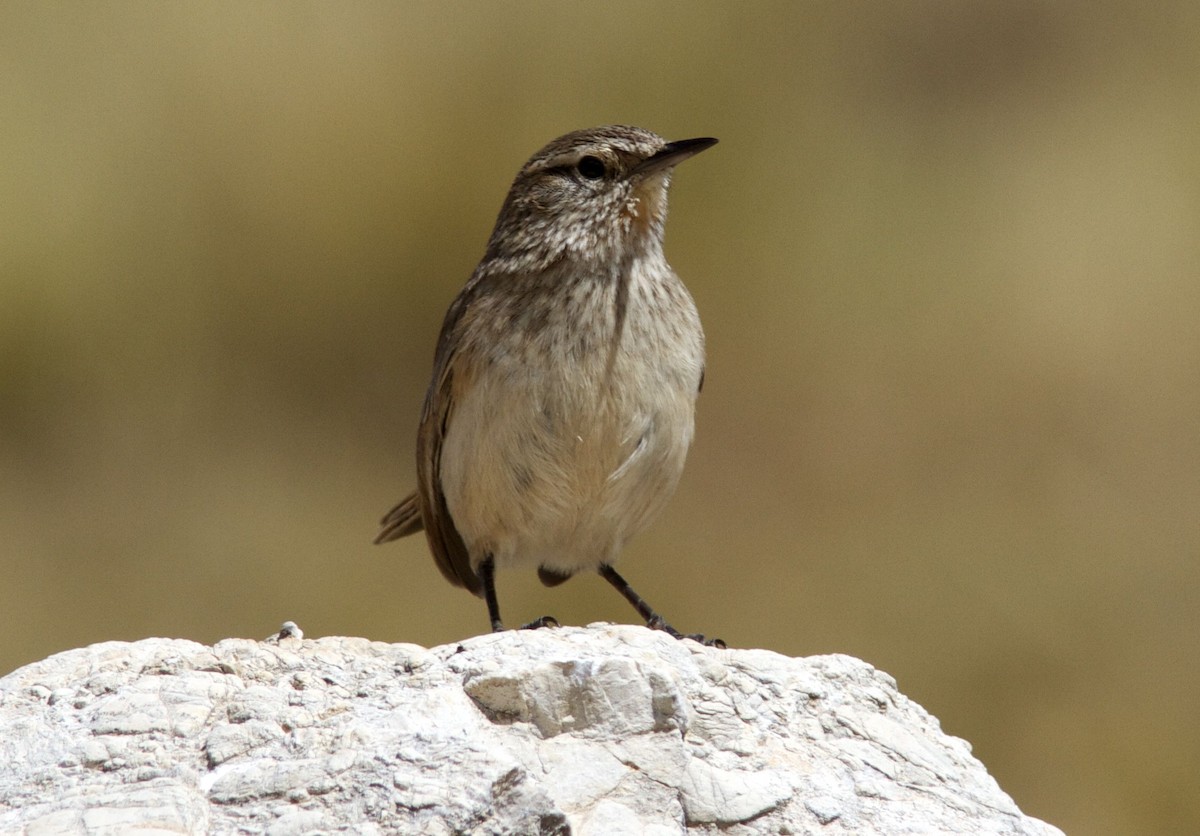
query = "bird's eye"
{"x": 592, "y": 168}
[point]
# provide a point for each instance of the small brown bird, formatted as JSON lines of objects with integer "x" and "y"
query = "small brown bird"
{"x": 565, "y": 379}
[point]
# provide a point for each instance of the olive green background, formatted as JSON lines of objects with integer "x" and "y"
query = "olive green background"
{"x": 947, "y": 256}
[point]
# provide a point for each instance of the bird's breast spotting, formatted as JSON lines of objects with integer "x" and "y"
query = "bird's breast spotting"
{"x": 583, "y": 436}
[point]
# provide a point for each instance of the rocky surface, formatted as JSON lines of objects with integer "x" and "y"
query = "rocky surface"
{"x": 597, "y": 730}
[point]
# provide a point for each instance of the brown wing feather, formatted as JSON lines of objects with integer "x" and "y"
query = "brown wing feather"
{"x": 427, "y": 507}
{"x": 449, "y": 551}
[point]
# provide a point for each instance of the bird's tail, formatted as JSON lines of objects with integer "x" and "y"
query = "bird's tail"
{"x": 401, "y": 521}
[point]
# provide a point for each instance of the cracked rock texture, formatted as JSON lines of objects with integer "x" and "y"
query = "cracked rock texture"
{"x": 598, "y": 730}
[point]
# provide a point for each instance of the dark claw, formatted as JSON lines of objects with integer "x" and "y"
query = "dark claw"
{"x": 658, "y": 623}
{"x": 653, "y": 620}
{"x": 699, "y": 639}
{"x": 544, "y": 621}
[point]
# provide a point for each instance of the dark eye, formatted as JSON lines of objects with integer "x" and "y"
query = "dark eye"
{"x": 591, "y": 167}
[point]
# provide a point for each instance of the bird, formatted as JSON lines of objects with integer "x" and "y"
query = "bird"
{"x": 561, "y": 405}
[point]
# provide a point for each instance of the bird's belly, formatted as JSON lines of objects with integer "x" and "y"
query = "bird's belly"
{"x": 560, "y": 471}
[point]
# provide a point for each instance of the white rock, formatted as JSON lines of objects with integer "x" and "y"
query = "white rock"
{"x": 595, "y": 731}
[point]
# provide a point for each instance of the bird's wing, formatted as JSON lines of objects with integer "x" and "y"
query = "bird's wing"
{"x": 449, "y": 551}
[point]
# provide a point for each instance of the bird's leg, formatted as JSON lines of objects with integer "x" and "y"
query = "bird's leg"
{"x": 653, "y": 620}
{"x": 487, "y": 575}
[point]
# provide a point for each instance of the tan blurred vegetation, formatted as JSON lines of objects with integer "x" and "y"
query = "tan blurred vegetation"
{"x": 947, "y": 258}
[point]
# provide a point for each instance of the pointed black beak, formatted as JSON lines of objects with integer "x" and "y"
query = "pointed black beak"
{"x": 674, "y": 153}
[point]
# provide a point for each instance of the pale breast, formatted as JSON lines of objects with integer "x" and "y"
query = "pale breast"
{"x": 574, "y": 431}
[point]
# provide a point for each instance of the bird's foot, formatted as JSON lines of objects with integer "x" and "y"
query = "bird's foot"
{"x": 536, "y": 624}
{"x": 659, "y": 623}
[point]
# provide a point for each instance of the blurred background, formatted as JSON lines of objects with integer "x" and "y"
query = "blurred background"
{"x": 946, "y": 255}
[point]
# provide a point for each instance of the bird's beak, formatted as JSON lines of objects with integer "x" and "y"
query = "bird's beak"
{"x": 674, "y": 153}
